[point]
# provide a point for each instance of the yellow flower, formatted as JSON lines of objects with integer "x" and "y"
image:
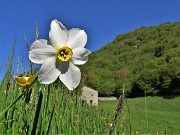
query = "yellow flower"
{"x": 24, "y": 81}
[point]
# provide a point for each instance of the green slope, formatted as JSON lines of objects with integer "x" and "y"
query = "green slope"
{"x": 146, "y": 59}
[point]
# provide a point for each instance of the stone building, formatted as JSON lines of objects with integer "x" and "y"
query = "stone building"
{"x": 90, "y": 96}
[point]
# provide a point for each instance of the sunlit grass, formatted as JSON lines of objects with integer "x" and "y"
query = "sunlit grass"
{"x": 60, "y": 112}
{"x": 162, "y": 114}
{"x": 46, "y": 109}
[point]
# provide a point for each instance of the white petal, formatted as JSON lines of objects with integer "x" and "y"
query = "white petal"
{"x": 72, "y": 77}
{"x": 40, "y": 42}
{"x": 77, "y": 38}
{"x": 49, "y": 71}
{"x": 80, "y": 52}
{"x": 79, "y": 61}
{"x": 58, "y": 34}
{"x": 43, "y": 41}
{"x": 39, "y": 51}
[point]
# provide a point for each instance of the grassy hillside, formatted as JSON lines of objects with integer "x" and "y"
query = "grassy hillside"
{"x": 146, "y": 59}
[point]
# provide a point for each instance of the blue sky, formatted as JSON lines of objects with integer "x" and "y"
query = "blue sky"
{"x": 102, "y": 20}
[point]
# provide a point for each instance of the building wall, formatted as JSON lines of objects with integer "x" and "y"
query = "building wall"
{"x": 90, "y": 95}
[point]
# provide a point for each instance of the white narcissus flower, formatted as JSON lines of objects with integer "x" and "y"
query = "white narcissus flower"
{"x": 59, "y": 57}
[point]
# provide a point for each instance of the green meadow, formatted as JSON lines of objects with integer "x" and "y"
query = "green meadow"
{"x": 150, "y": 115}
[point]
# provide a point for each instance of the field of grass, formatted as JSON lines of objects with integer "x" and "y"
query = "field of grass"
{"x": 162, "y": 117}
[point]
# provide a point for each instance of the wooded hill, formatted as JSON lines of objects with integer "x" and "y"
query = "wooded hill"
{"x": 146, "y": 59}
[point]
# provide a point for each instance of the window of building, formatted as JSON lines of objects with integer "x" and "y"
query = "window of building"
{"x": 91, "y": 102}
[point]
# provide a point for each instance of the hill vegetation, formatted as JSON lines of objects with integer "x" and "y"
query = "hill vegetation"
{"x": 146, "y": 59}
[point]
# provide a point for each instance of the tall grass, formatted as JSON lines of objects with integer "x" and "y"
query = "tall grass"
{"x": 47, "y": 109}
{"x": 53, "y": 110}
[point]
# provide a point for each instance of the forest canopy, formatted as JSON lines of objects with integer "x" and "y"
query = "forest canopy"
{"x": 144, "y": 60}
